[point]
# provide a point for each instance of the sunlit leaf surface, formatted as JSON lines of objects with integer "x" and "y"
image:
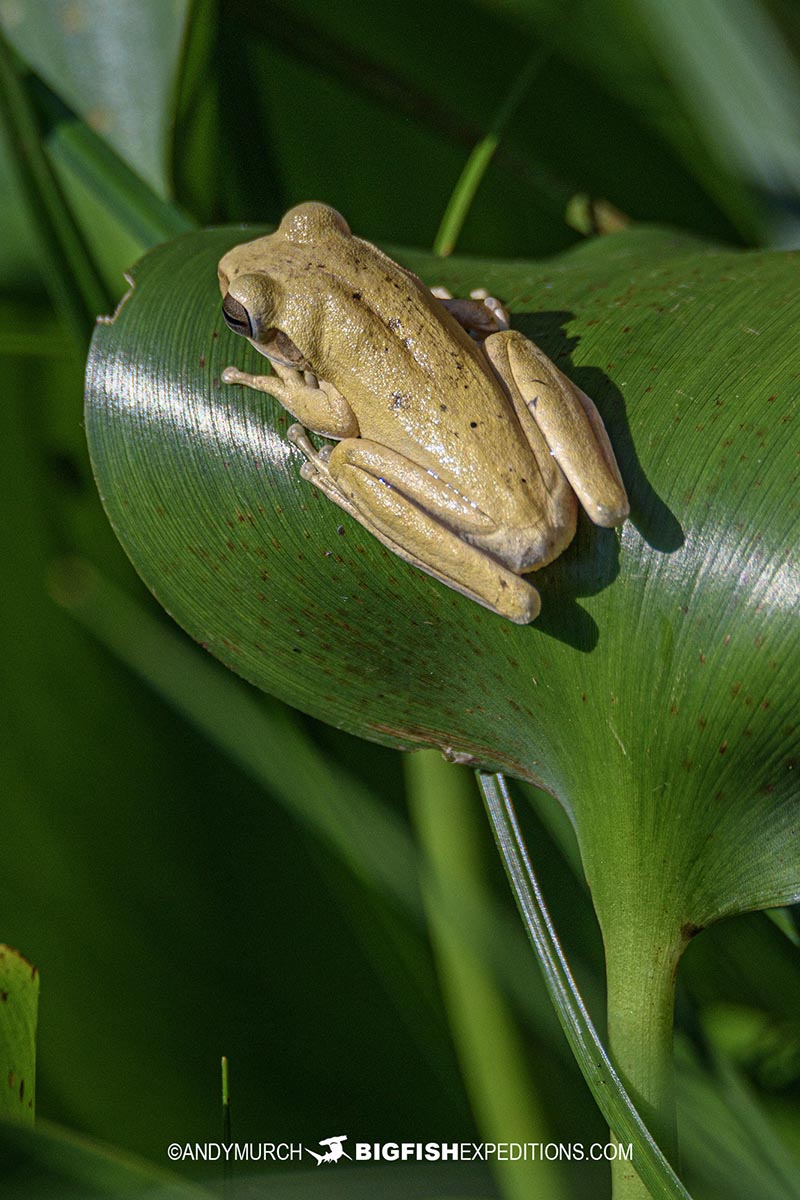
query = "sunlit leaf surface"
{"x": 655, "y": 694}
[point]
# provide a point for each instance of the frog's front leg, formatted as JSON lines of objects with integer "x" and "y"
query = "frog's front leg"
{"x": 571, "y": 425}
{"x": 314, "y": 402}
{"x": 419, "y": 518}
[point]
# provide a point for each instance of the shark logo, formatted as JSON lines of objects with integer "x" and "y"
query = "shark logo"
{"x": 334, "y": 1152}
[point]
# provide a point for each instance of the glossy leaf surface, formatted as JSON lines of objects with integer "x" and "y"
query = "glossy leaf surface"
{"x": 654, "y": 695}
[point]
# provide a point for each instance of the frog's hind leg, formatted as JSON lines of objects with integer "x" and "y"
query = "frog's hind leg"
{"x": 545, "y": 398}
{"x": 384, "y": 509}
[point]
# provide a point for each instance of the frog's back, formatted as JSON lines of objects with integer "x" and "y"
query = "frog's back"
{"x": 421, "y": 386}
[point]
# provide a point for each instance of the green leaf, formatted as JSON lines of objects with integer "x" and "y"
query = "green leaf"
{"x": 654, "y": 694}
{"x": 506, "y": 1100}
{"x": 114, "y": 64}
{"x": 68, "y": 269}
{"x": 19, "y": 1000}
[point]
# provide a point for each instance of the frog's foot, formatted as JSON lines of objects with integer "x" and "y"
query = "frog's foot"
{"x": 481, "y": 315}
{"x": 234, "y": 375}
{"x": 316, "y": 470}
{"x": 501, "y": 315}
{"x": 316, "y": 460}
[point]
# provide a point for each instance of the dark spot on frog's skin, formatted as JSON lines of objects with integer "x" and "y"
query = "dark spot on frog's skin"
{"x": 356, "y": 295}
{"x": 443, "y": 407}
{"x": 399, "y": 400}
{"x": 473, "y": 424}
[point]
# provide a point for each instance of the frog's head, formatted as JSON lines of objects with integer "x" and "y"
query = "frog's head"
{"x": 264, "y": 283}
{"x": 251, "y": 305}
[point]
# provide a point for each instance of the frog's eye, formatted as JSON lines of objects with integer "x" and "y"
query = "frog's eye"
{"x": 237, "y": 317}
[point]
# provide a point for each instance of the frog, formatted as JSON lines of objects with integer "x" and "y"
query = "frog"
{"x": 449, "y": 436}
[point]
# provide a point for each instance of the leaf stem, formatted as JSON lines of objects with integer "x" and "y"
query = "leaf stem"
{"x": 607, "y": 1087}
{"x": 640, "y": 979}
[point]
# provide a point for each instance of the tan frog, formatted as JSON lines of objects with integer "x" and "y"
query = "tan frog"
{"x": 465, "y": 455}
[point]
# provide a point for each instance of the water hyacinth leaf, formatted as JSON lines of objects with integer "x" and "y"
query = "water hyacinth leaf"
{"x": 653, "y": 696}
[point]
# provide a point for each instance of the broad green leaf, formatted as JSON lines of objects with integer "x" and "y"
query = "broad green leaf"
{"x": 19, "y": 1000}
{"x": 654, "y": 694}
{"x": 620, "y": 45}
